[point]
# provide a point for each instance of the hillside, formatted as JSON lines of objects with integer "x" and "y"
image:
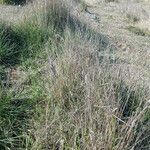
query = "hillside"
{"x": 75, "y": 75}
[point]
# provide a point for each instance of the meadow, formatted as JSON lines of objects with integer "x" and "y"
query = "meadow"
{"x": 65, "y": 86}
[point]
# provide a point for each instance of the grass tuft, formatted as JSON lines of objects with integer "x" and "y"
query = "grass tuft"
{"x": 138, "y": 31}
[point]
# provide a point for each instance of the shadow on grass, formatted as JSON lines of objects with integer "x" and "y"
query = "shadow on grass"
{"x": 131, "y": 104}
{"x": 15, "y": 2}
{"x": 27, "y": 40}
{"x": 10, "y": 46}
{"x": 20, "y": 43}
{"x": 14, "y": 121}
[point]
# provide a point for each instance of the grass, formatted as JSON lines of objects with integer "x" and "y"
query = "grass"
{"x": 63, "y": 91}
{"x": 10, "y": 45}
{"x": 111, "y": 1}
{"x": 13, "y": 2}
{"x": 138, "y": 31}
{"x": 132, "y": 18}
{"x": 80, "y": 113}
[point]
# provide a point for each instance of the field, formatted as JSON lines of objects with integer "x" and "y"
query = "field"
{"x": 75, "y": 75}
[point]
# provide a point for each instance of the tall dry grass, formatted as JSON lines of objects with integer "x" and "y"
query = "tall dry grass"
{"x": 79, "y": 95}
{"x": 89, "y": 104}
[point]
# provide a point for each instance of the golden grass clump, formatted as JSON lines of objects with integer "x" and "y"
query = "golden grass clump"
{"x": 89, "y": 106}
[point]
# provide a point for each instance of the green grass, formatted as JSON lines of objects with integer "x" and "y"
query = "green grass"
{"x": 22, "y": 42}
{"x": 10, "y": 45}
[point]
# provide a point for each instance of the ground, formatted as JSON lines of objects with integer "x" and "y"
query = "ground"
{"x": 134, "y": 49}
{"x": 113, "y": 19}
